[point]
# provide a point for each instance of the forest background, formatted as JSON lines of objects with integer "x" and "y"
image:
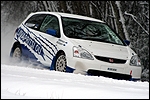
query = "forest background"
{"x": 130, "y": 19}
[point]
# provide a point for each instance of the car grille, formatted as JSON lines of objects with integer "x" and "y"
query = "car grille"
{"x": 110, "y": 60}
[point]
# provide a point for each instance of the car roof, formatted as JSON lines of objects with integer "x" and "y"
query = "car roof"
{"x": 69, "y": 15}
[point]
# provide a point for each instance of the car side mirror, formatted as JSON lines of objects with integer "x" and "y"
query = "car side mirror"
{"x": 51, "y": 32}
{"x": 127, "y": 42}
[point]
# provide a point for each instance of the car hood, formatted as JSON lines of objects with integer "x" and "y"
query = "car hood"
{"x": 103, "y": 49}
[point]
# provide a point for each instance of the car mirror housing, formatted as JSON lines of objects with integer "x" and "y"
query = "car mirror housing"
{"x": 127, "y": 42}
{"x": 51, "y": 32}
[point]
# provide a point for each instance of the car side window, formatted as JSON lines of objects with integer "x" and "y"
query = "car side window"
{"x": 35, "y": 21}
{"x": 50, "y": 22}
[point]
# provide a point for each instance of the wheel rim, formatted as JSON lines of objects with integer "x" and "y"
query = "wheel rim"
{"x": 17, "y": 53}
{"x": 61, "y": 63}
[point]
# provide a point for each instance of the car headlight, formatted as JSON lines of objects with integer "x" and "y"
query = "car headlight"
{"x": 81, "y": 53}
{"x": 135, "y": 61}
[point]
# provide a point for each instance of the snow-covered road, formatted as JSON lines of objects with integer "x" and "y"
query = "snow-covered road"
{"x": 34, "y": 82}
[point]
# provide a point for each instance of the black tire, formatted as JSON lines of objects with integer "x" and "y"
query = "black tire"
{"x": 60, "y": 63}
{"x": 17, "y": 54}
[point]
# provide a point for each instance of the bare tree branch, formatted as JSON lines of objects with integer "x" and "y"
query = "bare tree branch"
{"x": 134, "y": 18}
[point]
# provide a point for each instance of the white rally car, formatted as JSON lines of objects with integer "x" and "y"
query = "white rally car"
{"x": 77, "y": 44}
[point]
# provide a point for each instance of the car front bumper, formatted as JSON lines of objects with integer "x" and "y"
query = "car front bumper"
{"x": 97, "y": 67}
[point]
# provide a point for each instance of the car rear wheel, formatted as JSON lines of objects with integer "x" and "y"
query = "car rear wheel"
{"x": 60, "y": 64}
{"x": 17, "y": 54}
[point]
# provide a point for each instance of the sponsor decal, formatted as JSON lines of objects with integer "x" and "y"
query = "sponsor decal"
{"x": 29, "y": 39}
{"x": 26, "y": 38}
{"x": 61, "y": 42}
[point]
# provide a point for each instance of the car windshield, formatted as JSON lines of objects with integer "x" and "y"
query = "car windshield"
{"x": 89, "y": 30}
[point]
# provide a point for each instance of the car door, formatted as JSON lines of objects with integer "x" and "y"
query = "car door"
{"x": 50, "y": 48}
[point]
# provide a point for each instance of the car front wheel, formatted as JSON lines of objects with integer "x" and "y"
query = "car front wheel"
{"x": 60, "y": 64}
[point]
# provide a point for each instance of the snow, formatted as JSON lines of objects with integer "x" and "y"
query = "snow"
{"x": 25, "y": 81}
{"x": 22, "y": 82}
